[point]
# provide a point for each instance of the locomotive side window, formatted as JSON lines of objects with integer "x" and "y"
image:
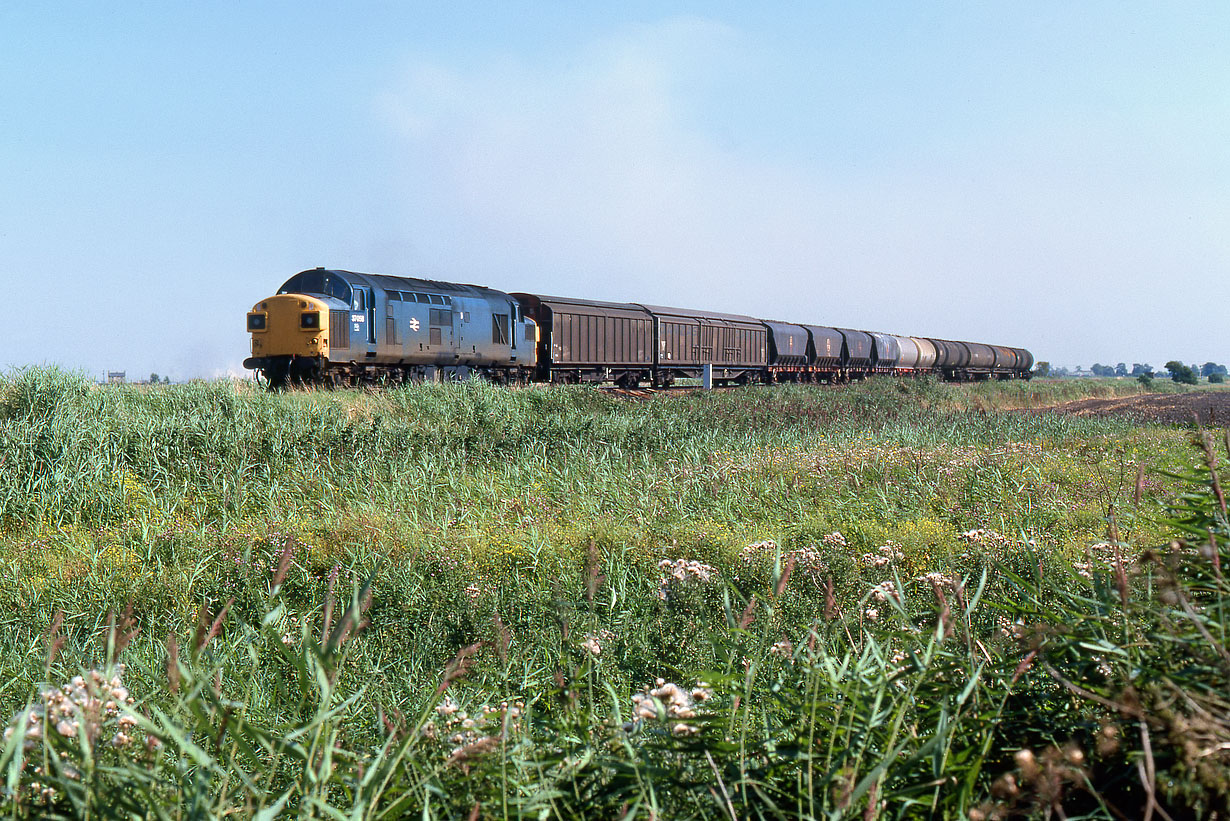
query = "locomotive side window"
{"x": 499, "y": 329}
{"x": 360, "y": 301}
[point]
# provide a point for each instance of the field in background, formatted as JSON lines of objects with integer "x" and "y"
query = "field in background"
{"x": 445, "y": 597}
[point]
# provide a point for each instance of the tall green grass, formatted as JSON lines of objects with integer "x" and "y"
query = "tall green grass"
{"x": 80, "y": 453}
{"x": 376, "y": 554}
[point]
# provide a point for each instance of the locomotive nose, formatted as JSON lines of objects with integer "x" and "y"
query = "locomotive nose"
{"x": 289, "y": 342}
{"x": 288, "y": 325}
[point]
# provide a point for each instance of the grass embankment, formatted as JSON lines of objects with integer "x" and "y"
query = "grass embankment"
{"x": 561, "y": 550}
{"x": 1048, "y": 393}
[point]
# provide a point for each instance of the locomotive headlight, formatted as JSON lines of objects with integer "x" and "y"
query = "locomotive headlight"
{"x": 309, "y": 320}
{"x": 256, "y": 321}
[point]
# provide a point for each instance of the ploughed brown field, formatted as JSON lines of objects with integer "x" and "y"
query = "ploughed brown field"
{"x": 1211, "y": 408}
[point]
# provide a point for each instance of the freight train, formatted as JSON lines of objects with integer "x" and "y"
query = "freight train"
{"x": 334, "y": 328}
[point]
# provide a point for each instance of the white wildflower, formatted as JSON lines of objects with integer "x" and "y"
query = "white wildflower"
{"x": 670, "y": 702}
{"x": 886, "y": 591}
{"x": 683, "y": 571}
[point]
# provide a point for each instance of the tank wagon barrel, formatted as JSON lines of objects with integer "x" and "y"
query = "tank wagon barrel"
{"x": 334, "y": 327}
{"x": 910, "y": 354}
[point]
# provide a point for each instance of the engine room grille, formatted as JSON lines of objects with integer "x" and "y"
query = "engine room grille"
{"x": 339, "y": 329}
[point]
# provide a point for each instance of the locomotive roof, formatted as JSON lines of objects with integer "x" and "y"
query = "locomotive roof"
{"x": 389, "y": 282}
{"x": 392, "y": 283}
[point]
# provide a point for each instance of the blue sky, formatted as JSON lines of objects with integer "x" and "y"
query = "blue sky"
{"x": 1052, "y": 174}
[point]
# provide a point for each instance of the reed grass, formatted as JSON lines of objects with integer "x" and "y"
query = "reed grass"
{"x": 867, "y": 580}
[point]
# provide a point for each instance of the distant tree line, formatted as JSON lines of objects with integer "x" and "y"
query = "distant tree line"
{"x": 1144, "y": 372}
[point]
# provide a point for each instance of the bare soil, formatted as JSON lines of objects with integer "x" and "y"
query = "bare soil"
{"x": 1211, "y": 408}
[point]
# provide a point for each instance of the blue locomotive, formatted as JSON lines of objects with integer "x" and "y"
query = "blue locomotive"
{"x": 344, "y": 328}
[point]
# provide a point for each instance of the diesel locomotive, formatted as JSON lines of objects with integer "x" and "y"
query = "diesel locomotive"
{"x": 330, "y": 327}
{"x": 344, "y": 328}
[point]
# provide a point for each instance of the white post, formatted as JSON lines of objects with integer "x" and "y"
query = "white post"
{"x": 707, "y": 377}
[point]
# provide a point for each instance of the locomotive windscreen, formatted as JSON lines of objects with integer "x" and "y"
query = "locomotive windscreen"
{"x": 318, "y": 282}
